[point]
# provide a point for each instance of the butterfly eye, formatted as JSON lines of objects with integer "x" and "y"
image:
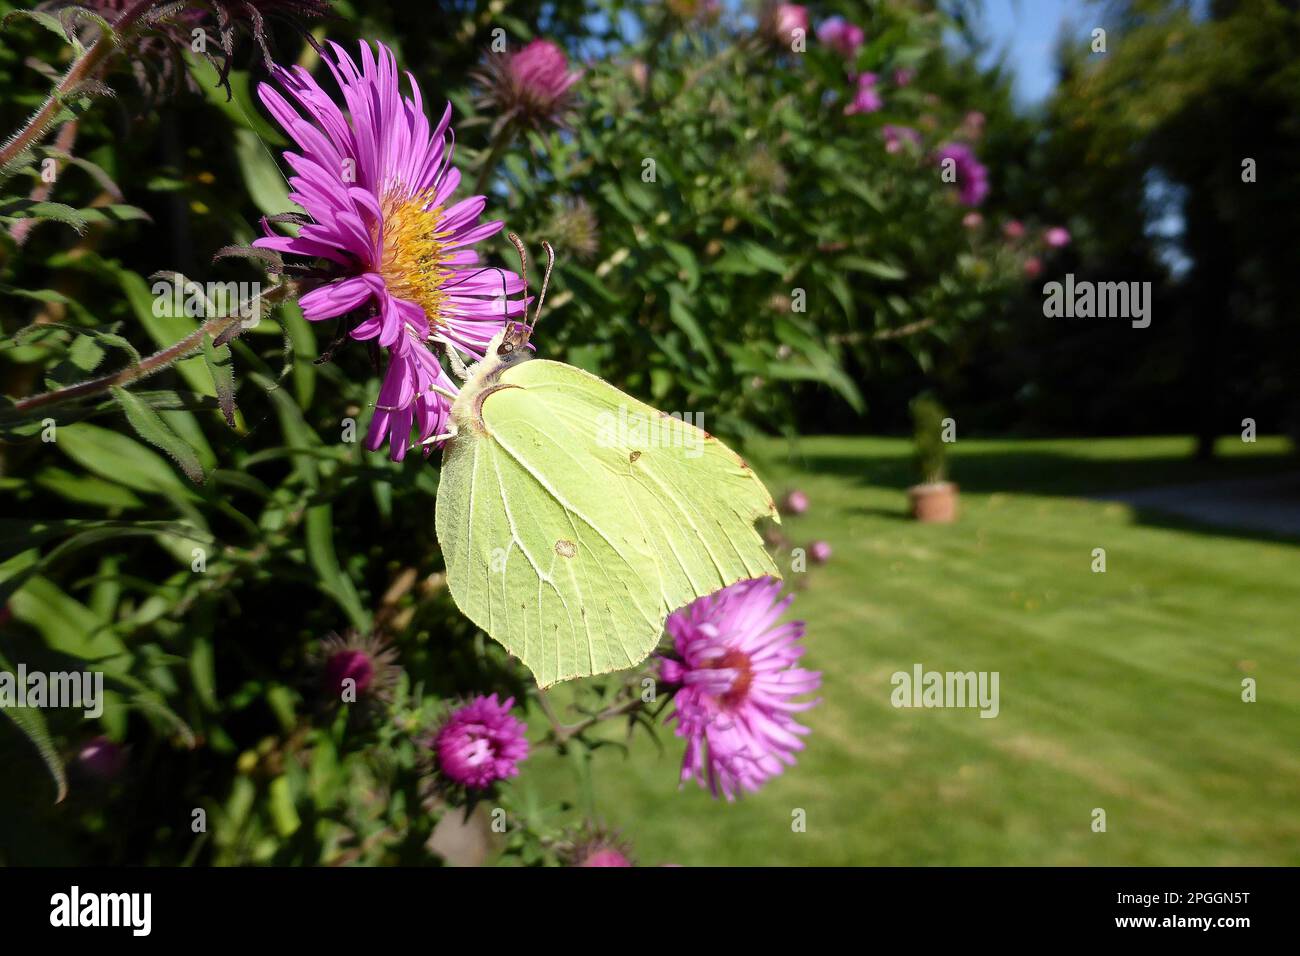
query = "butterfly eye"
{"x": 506, "y": 348}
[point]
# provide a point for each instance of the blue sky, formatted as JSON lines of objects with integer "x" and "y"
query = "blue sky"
{"x": 1027, "y": 31}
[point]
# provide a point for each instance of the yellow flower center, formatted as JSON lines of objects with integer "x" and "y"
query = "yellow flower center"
{"x": 413, "y": 257}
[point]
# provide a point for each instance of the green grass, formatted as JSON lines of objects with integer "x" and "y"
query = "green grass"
{"x": 1119, "y": 690}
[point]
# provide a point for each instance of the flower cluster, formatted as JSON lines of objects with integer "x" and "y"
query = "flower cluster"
{"x": 386, "y": 247}
{"x": 1033, "y": 247}
{"x": 898, "y": 138}
{"x": 531, "y": 86}
{"x": 395, "y": 248}
{"x": 784, "y": 26}
{"x": 735, "y": 679}
{"x": 480, "y": 743}
{"x": 866, "y": 98}
{"x": 594, "y": 845}
{"x": 971, "y": 176}
{"x": 354, "y": 668}
{"x": 843, "y": 37}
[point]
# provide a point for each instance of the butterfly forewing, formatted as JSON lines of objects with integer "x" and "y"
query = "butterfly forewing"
{"x": 582, "y": 517}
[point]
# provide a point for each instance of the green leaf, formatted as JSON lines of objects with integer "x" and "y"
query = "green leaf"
{"x": 56, "y": 211}
{"x": 85, "y": 489}
{"x": 119, "y": 458}
{"x": 96, "y": 172}
{"x": 165, "y": 330}
{"x": 114, "y": 212}
{"x": 85, "y": 353}
{"x": 218, "y": 361}
{"x": 67, "y": 625}
{"x": 150, "y": 426}
{"x": 829, "y": 374}
{"x": 881, "y": 270}
{"x": 686, "y": 261}
{"x": 283, "y": 813}
{"x": 47, "y": 20}
{"x": 685, "y": 320}
{"x": 203, "y": 671}
{"x": 864, "y": 192}
{"x": 32, "y": 723}
{"x": 764, "y": 258}
{"x": 319, "y": 528}
{"x": 303, "y": 342}
{"x": 749, "y": 258}
{"x": 266, "y": 184}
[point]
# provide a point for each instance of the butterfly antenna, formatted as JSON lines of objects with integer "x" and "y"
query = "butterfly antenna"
{"x": 546, "y": 282}
{"x": 523, "y": 268}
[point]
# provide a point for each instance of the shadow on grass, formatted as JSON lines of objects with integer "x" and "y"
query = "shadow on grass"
{"x": 1019, "y": 468}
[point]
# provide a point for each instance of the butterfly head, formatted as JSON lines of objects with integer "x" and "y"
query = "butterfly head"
{"x": 511, "y": 342}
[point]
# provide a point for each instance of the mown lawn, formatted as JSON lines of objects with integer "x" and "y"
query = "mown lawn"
{"x": 1119, "y": 691}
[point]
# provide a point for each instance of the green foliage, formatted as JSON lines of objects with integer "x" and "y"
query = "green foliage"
{"x": 1172, "y": 157}
{"x": 747, "y": 248}
{"x": 927, "y": 434}
{"x": 187, "y": 505}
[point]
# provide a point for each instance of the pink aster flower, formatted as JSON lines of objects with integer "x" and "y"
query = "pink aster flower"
{"x": 972, "y": 176}
{"x": 841, "y": 36}
{"x": 406, "y": 396}
{"x": 532, "y": 85}
{"x": 787, "y": 23}
{"x": 733, "y": 669}
{"x": 101, "y": 758}
{"x": 820, "y": 552}
{"x": 1058, "y": 237}
{"x": 1013, "y": 229}
{"x": 606, "y": 858}
{"x": 903, "y": 76}
{"x": 897, "y": 137}
{"x": 796, "y": 503}
{"x": 867, "y": 99}
{"x": 368, "y": 662}
{"x": 596, "y": 846}
{"x": 377, "y": 187}
{"x": 1033, "y": 267}
{"x": 481, "y": 743}
{"x": 972, "y": 220}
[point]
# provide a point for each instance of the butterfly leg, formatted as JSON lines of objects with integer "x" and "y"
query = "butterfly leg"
{"x": 451, "y": 397}
{"x": 457, "y": 364}
{"x": 451, "y": 432}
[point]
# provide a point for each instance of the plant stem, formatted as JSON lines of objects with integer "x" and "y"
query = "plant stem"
{"x": 504, "y": 137}
{"x": 63, "y": 143}
{"x": 561, "y": 732}
{"x": 86, "y": 67}
{"x": 147, "y": 366}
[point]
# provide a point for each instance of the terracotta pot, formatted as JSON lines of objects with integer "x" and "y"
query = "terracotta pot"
{"x": 934, "y": 502}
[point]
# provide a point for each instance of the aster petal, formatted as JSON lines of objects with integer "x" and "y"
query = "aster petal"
{"x": 327, "y": 301}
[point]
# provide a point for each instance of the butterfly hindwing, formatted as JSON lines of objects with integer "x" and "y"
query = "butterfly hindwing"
{"x": 581, "y": 517}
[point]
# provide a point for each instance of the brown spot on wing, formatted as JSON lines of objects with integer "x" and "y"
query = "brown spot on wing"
{"x": 565, "y": 548}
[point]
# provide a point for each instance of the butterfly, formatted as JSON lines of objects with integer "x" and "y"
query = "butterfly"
{"x": 574, "y": 518}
